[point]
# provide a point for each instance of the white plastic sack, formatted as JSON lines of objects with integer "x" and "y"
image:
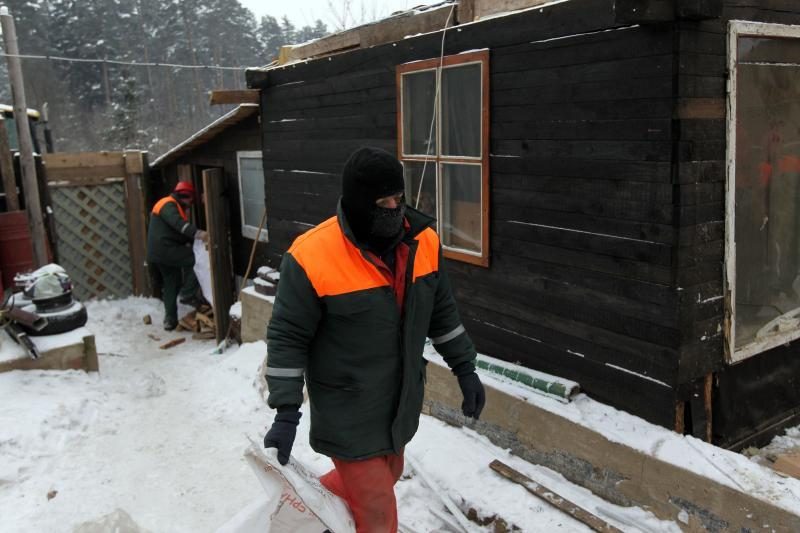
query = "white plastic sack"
{"x": 296, "y": 502}
{"x": 202, "y": 269}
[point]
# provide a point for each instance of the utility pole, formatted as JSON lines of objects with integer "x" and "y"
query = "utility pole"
{"x": 33, "y": 205}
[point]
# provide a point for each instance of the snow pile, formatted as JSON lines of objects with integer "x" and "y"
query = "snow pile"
{"x": 262, "y": 283}
{"x": 117, "y": 521}
{"x": 264, "y": 271}
{"x": 728, "y": 468}
{"x": 155, "y": 442}
{"x": 157, "y": 433}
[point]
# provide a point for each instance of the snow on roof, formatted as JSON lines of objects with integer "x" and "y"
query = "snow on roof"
{"x": 206, "y": 134}
{"x": 400, "y": 25}
{"x": 366, "y": 35}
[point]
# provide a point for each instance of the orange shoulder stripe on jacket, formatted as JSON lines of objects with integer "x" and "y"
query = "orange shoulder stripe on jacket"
{"x": 427, "y": 258}
{"x": 332, "y": 263}
{"x": 164, "y": 201}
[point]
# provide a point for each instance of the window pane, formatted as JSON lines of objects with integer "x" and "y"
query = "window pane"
{"x": 461, "y": 225}
{"x": 252, "y": 179}
{"x": 767, "y": 188}
{"x": 419, "y": 92}
{"x": 768, "y": 50}
{"x": 427, "y": 193}
{"x": 461, "y": 111}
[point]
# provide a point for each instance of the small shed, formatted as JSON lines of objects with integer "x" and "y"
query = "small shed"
{"x": 615, "y": 183}
{"x": 231, "y": 144}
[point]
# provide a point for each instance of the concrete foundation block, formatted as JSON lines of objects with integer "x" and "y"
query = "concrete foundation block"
{"x": 256, "y": 312}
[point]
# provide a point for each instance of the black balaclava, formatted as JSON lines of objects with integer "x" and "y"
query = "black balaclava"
{"x": 370, "y": 174}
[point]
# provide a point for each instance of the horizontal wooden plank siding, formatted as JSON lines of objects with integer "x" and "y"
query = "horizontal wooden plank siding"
{"x": 584, "y": 218}
{"x": 749, "y": 396}
{"x": 221, "y": 152}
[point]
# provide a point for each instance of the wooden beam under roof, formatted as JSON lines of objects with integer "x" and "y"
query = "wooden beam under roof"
{"x": 234, "y": 96}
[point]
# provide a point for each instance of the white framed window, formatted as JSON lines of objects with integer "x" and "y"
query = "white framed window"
{"x": 251, "y": 193}
{"x": 762, "y": 206}
{"x": 443, "y": 142}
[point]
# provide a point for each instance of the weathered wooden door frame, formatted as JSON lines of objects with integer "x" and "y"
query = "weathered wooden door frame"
{"x": 219, "y": 248}
{"x": 734, "y": 354}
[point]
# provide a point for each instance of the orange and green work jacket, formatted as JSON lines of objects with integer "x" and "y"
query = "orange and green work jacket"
{"x": 336, "y": 324}
{"x": 170, "y": 235}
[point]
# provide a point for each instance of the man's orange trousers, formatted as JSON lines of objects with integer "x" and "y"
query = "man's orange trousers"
{"x": 368, "y": 488}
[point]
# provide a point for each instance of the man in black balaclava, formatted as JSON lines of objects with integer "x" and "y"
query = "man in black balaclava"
{"x": 371, "y": 175}
{"x": 358, "y": 296}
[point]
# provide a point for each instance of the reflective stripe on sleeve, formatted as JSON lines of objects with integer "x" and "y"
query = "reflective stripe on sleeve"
{"x": 285, "y": 372}
{"x": 449, "y": 336}
{"x": 183, "y": 229}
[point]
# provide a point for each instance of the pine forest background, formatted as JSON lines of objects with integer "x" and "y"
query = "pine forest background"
{"x": 103, "y": 106}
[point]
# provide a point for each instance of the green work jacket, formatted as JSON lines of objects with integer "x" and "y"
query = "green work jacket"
{"x": 337, "y": 325}
{"x": 170, "y": 234}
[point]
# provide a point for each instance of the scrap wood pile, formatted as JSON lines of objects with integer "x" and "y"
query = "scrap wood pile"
{"x": 200, "y": 322}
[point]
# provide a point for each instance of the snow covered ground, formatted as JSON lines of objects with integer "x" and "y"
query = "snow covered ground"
{"x": 159, "y": 434}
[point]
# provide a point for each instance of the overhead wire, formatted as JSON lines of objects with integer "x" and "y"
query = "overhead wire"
{"x": 119, "y": 62}
{"x": 435, "y": 106}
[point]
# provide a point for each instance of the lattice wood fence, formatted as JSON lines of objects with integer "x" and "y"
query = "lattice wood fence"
{"x": 98, "y": 208}
{"x": 93, "y": 239}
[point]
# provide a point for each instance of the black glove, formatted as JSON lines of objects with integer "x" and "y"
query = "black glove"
{"x": 471, "y": 389}
{"x": 281, "y": 434}
{"x": 474, "y": 395}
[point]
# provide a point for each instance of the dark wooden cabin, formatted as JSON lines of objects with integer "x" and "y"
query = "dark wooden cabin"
{"x": 578, "y": 170}
{"x": 232, "y": 143}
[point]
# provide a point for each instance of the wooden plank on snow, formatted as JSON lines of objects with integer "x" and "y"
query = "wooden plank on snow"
{"x": 554, "y": 499}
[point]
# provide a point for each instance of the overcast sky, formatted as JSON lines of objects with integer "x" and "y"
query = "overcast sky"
{"x": 305, "y": 12}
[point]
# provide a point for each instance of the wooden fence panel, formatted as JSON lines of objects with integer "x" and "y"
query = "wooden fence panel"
{"x": 101, "y": 219}
{"x": 93, "y": 239}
